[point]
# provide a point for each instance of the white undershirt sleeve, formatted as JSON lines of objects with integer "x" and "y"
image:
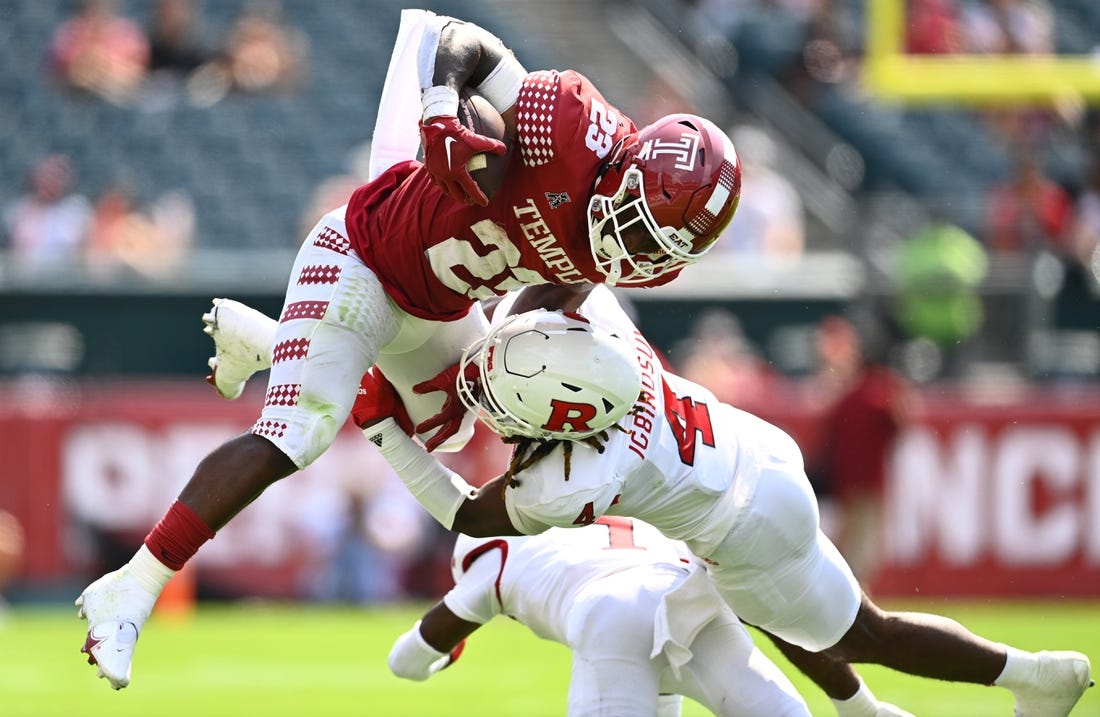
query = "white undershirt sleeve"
{"x": 414, "y": 659}
{"x": 439, "y": 489}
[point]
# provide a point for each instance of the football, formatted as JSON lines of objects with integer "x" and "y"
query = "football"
{"x": 479, "y": 116}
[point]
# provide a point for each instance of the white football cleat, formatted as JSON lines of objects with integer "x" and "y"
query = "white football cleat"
{"x": 885, "y": 709}
{"x": 1061, "y": 680}
{"x": 116, "y": 607}
{"x": 242, "y": 345}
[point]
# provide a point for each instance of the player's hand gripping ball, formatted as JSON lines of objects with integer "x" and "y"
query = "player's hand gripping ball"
{"x": 479, "y": 116}
{"x": 467, "y": 155}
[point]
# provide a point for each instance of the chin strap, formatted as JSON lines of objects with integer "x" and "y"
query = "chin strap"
{"x": 615, "y": 160}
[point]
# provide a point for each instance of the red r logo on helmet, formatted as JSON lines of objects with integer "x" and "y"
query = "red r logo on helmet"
{"x": 576, "y": 415}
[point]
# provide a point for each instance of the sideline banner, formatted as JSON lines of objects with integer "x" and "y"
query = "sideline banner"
{"x": 983, "y": 499}
{"x": 997, "y": 499}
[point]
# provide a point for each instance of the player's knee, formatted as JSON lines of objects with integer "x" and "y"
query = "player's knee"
{"x": 322, "y": 433}
{"x": 302, "y": 435}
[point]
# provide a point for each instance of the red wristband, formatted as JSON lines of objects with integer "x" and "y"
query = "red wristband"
{"x": 178, "y": 536}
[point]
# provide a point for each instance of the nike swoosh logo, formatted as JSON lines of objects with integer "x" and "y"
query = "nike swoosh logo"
{"x": 447, "y": 142}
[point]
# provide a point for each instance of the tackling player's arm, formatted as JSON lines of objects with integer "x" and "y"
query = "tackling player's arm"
{"x": 567, "y": 297}
{"x": 447, "y": 496}
{"x": 433, "y": 643}
{"x": 484, "y": 512}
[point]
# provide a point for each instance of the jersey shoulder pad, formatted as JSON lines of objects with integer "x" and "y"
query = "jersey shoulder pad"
{"x": 542, "y": 497}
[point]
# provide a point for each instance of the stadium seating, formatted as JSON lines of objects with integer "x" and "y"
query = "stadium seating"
{"x": 249, "y": 162}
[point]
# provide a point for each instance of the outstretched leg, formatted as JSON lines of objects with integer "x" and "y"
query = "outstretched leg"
{"x": 1045, "y": 684}
{"x": 334, "y": 323}
{"x": 839, "y": 680}
{"x": 117, "y": 605}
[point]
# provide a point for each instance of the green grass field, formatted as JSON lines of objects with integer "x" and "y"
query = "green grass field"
{"x": 305, "y": 661}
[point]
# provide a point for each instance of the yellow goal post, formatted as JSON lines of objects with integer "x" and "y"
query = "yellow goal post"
{"x": 891, "y": 73}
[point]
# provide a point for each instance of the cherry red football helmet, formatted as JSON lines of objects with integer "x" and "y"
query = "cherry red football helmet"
{"x": 667, "y": 194}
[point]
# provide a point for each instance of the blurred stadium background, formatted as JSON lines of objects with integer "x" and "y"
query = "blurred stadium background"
{"x": 941, "y": 219}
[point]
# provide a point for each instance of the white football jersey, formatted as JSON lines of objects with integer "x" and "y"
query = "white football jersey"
{"x": 537, "y": 579}
{"x": 729, "y": 484}
{"x": 674, "y": 464}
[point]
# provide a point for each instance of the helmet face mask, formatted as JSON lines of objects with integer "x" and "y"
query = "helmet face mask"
{"x": 549, "y": 375}
{"x": 627, "y": 243}
{"x": 664, "y": 200}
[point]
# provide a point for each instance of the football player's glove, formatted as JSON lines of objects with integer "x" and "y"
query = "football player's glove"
{"x": 449, "y": 418}
{"x": 455, "y": 653}
{"x": 377, "y": 400}
{"x": 448, "y": 146}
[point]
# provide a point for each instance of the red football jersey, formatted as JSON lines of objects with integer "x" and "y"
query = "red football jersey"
{"x": 436, "y": 256}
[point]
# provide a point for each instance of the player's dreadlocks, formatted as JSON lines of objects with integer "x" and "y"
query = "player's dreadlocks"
{"x": 529, "y": 451}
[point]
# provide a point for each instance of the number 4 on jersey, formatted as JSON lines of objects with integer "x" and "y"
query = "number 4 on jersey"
{"x": 688, "y": 419}
{"x": 588, "y": 513}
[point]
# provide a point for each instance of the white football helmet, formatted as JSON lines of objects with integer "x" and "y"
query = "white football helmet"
{"x": 665, "y": 196}
{"x": 550, "y": 375}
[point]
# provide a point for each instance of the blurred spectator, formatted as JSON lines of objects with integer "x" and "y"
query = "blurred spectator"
{"x": 770, "y": 218}
{"x": 101, "y": 52}
{"x": 860, "y": 429}
{"x": 47, "y": 226}
{"x": 175, "y": 37}
{"x": 1029, "y": 212}
{"x": 179, "y": 56}
{"x": 335, "y": 191}
{"x": 839, "y": 357}
{"x": 262, "y": 52}
{"x": 933, "y": 28}
{"x": 1002, "y": 27}
{"x": 127, "y": 236}
{"x": 350, "y": 567}
{"x": 833, "y": 47}
{"x": 1028, "y": 225}
{"x": 1078, "y": 302}
{"x": 718, "y": 355}
{"x": 12, "y": 545}
{"x": 1009, "y": 27}
{"x": 937, "y": 274}
{"x": 1083, "y": 244}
